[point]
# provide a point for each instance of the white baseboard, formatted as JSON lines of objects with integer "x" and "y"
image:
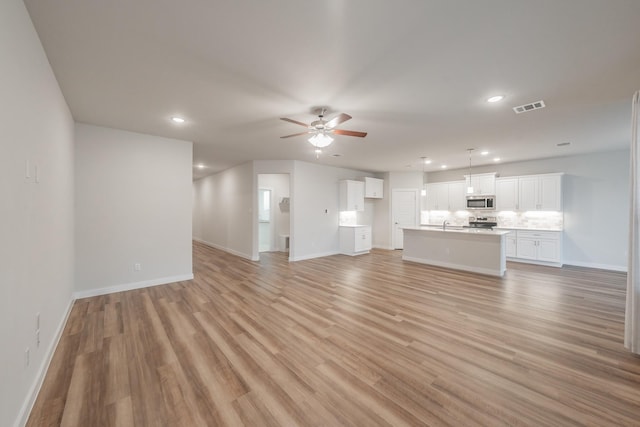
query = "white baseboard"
{"x": 535, "y": 262}
{"x": 387, "y": 248}
{"x": 311, "y": 256}
{"x": 229, "y": 250}
{"x": 130, "y": 286}
{"x": 621, "y": 268}
{"x": 27, "y": 406}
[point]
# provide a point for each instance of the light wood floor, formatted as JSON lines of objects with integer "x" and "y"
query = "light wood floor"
{"x": 359, "y": 341}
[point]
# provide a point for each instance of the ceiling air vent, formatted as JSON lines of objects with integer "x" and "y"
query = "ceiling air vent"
{"x": 529, "y": 107}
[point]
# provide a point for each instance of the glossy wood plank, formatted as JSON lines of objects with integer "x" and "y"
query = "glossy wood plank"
{"x": 349, "y": 341}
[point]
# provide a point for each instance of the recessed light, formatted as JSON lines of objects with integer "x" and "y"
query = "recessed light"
{"x": 427, "y": 161}
{"x": 177, "y": 119}
{"x": 484, "y": 153}
{"x": 495, "y": 98}
{"x": 200, "y": 166}
{"x": 496, "y": 159}
{"x": 443, "y": 166}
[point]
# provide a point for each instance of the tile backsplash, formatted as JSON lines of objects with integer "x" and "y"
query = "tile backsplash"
{"x": 533, "y": 219}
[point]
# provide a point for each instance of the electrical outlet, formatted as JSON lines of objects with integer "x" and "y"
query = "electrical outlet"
{"x": 137, "y": 267}
{"x": 26, "y": 357}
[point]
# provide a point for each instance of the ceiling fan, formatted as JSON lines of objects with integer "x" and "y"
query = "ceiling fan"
{"x": 321, "y": 129}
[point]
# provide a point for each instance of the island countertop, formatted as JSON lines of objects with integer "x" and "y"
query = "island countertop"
{"x": 460, "y": 230}
{"x": 470, "y": 249}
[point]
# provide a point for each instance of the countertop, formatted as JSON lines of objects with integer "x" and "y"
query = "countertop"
{"x": 495, "y": 228}
{"x": 459, "y": 230}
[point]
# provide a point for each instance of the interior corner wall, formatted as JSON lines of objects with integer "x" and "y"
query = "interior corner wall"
{"x": 36, "y": 231}
{"x": 133, "y": 206}
{"x": 223, "y": 207}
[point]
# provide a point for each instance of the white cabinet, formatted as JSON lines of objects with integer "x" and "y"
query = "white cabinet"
{"x": 355, "y": 240}
{"x": 438, "y": 196}
{"x": 511, "y": 248}
{"x": 373, "y": 188}
{"x": 482, "y": 183}
{"x": 457, "y": 198}
{"x": 446, "y": 196}
{"x": 507, "y": 194}
{"x": 540, "y": 192}
{"x": 351, "y": 196}
{"x": 542, "y": 246}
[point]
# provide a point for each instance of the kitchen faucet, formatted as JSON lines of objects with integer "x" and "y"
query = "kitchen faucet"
{"x": 444, "y": 225}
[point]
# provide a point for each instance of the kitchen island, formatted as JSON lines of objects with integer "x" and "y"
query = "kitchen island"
{"x": 476, "y": 250}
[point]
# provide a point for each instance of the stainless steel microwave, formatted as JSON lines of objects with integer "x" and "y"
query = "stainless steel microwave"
{"x": 481, "y": 202}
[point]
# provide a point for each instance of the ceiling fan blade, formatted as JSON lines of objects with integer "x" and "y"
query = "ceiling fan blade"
{"x": 294, "y": 121}
{"x": 297, "y": 134}
{"x": 340, "y": 118}
{"x": 349, "y": 133}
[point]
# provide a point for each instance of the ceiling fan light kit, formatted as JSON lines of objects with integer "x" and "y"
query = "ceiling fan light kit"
{"x": 320, "y": 140}
{"x": 321, "y": 129}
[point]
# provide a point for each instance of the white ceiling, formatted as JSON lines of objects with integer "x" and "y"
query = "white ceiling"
{"x": 414, "y": 74}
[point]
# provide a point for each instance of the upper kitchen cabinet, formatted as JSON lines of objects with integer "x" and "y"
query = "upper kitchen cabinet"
{"x": 540, "y": 192}
{"x": 507, "y": 194}
{"x": 438, "y": 196}
{"x": 482, "y": 183}
{"x": 446, "y": 196}
{"x": 351, "y": 196}
{"x": 457, "y": 197}
{"x": 373, "y": 188}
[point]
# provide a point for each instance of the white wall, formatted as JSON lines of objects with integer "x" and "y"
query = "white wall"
{"x": 225, "y": 207}
{"x": 36, "y": 226}
{"x": 223, "y": 210}
{"x": 595, "y": 202}
{"x": 133, "y": 205}
{"x": 315, "y": 233}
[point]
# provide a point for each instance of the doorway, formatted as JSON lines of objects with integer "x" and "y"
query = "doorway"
{"x": 404, "y": 213}
{"x": 265, "y": 222}
{"x": 273, "y": 212}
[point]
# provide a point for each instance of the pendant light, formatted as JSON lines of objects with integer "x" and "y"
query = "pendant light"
{"x": 423, "y": 192}
{"x": 470, "y": 186}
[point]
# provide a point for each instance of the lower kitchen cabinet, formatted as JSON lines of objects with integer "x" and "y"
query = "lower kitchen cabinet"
{"x": 355, "y": 240}
{"x": 511, "y": 249}
{"x": 540, "y": 247}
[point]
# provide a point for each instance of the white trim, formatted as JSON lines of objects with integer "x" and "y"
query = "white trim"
{"x": 487, "y": 271}
{"x": 535, "y": 262}
{"x": 229, "y": 250}
{"x": 311, "y": 256}
{"x": 611, "y": 267}
{"x": 387, "y": 248}
{"x": 27, "y": 406}
{"x": 131, "y": 286}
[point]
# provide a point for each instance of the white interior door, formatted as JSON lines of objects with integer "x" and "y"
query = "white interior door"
{"x": 404, "y": 208}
